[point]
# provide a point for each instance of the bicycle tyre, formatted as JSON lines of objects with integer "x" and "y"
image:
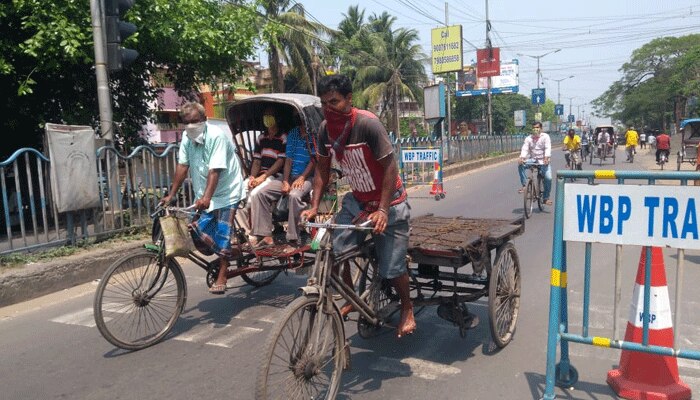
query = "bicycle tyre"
{"x": 289, "y": 368}
{"x": 263, "y": 278}
{"x": 679, "y": 161}
{"x": 528, "y": 196}
{"x": 126, "y": 277}
{"x": 540, "y": 192}
{"x": 504, "y": 294}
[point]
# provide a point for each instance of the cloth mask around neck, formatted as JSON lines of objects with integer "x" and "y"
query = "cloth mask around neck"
{"x": 269, "y": 121}
{"x": 195, "y": 131}
{"x": 335, "y": 120}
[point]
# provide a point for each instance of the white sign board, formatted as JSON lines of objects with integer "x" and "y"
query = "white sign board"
{"x": 649, "y": 215}
{"x": 519, "y": 117}
{"x": 420, "y": 156}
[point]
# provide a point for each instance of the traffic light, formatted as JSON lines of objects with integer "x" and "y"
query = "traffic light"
{"x": 117, "y": 31}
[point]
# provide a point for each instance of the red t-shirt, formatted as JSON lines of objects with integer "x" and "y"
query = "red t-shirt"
{"x": 367, "y": 143}
{"x": 663, "y": 142}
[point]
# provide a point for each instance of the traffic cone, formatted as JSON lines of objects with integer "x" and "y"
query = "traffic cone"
{"x": 645, "y": 376}
{"x": 437, "y": 186}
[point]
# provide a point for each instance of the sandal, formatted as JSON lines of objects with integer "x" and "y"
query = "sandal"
{"x": 521, "y": 190}
{"x": 548, "y": 202}
{"x": 217, "y": 288}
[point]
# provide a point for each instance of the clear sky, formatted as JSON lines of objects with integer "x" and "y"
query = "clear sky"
{"x": 595, "y": 36}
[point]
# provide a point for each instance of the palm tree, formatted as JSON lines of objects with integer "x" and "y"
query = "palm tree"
{"x": 391, "y": 71}
{"x": 293, "y": 40}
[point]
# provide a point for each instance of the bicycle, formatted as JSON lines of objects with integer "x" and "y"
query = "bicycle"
{"x": 663, "y": 158}
{"x": 534, "y": 188}
{"x": 307, "y": 349}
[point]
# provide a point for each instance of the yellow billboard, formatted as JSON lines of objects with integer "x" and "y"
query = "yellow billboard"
{"x": 446, "y": 49}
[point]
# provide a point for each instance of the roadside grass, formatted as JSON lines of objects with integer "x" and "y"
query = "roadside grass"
{"x": 16, "y": 260}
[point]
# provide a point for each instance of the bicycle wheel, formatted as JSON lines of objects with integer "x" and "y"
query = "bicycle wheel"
{"x": 528, "y": 198}
{"x": 304, "y": 355}
{"x": 266, "y": 276}
{"x": 540, "y": 192}
{"x": 139, "y": 300}
{"x": 504, "y": 294}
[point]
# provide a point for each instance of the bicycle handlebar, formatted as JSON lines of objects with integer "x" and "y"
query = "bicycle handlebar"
{"x": 365, "y": 226}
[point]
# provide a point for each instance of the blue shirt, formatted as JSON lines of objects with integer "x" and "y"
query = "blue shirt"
{"x": 298, "y": 151}
{"x": 217, "y": 152}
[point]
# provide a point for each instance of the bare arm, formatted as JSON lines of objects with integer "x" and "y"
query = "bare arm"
{"x": 180, "y": 175}
{"x": 323, "y": 168}
{"x": 212, "y": 181}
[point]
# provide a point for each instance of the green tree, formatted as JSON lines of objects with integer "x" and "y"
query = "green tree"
{"x": 385, "y": 63}
{"x": 47, "y": 58}
{"x": 296, "y": 42}
{"x": 656, "y": 84}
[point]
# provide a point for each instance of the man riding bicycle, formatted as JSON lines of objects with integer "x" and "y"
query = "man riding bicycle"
{"x": 631, "y": 140}
{"x": 663, "y": 146}
{"x": 572, "y": 147}
{"x": 537, "y": 147}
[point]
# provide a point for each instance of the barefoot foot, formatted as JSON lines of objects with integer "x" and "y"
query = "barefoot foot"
{"x": 408, "y": 323}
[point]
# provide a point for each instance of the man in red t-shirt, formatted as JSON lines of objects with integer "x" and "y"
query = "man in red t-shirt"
{"x": 360, "y": 144}
{"x": 663, "y": 144}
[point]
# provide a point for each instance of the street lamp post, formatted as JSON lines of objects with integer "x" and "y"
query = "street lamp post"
{"x": 558, "y": 81}
{"x": 539, "y": 74}
{"x": 314, "y": 67}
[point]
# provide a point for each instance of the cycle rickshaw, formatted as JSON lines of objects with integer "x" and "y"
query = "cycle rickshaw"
{"x": 141, "y": 296}
{"x": 604, "y": 151}
{"x": 690, "y": 131}
{"x": 307, "y": 349}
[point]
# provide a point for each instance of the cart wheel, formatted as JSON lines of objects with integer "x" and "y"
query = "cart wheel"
{"x": 569, "y": 379}
{"x": 528, "y": 196}
{"x": 442, "y": 195}
{"x": 437, "y": 197}
{"x": 504, "y": 294}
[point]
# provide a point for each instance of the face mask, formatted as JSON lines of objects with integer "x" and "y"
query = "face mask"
{"x": 335, "y": 120}
{"x": 195, "y": 131}
{"x": 269, "y": 121}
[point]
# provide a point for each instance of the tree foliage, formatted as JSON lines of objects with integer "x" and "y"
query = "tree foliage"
{"x": 384, "y": 63}
{"x": 656, "y": 85}
{"x": 47, "y": 60}
{"x": 503, "y": 107}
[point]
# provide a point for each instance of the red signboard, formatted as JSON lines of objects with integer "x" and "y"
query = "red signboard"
{"x": 488, "y": 62}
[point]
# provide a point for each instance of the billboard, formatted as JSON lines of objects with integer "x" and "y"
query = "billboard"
{"x": 446, "y": 46}
{"x": 488, "y": 62}
{"x": 507, "y": 82}
{"x": 434, "y": 101}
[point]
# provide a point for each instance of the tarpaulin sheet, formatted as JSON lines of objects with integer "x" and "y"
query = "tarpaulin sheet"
{"x": 73, "y": 167}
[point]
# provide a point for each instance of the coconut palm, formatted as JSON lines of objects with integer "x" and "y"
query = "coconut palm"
{"x": 391, "y": 71}
{"x": 294, "y": 40}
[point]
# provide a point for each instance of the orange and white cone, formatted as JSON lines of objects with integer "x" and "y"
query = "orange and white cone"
{"x": 437, "y": 186}
{"x": 646, "y": 376}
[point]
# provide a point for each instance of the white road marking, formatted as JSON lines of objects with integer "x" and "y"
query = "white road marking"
{"x": 83, "y": 317}
{"x": 270, "y": 314}
{"x": 239, "y": 334}
{"x": 418, "y": 368}
{"x": 200, "y": 332}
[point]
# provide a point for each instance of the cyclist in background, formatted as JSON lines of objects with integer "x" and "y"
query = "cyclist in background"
{"x": 663, "y": 146}
{"x": 572, "y": 147}
{"x": 538, "y": 148}
{"x": 631, "y": 140}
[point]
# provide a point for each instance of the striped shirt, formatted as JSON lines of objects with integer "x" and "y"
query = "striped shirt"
{"x": 268, "y": 149}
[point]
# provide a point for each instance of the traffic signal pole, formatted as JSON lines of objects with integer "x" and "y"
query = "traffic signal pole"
{"x": 103, "y": 95}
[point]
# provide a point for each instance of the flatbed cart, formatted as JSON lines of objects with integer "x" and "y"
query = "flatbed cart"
{"x": 307, "y": 349}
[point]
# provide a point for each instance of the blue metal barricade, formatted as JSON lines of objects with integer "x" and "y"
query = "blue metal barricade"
{"x": 646, "y": 215}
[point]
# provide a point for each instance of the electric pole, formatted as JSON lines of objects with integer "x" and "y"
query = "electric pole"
{"x": 489, "y": 123}
{"x": 103, "y": 97}
{"x": 448, "y": 91}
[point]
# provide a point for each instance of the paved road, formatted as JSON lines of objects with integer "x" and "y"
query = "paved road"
{"x": 50, "y": 348}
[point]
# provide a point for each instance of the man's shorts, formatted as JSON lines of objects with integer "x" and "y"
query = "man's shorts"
{"x": 212, "y": 231}
{"x": 391, "y": 246}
